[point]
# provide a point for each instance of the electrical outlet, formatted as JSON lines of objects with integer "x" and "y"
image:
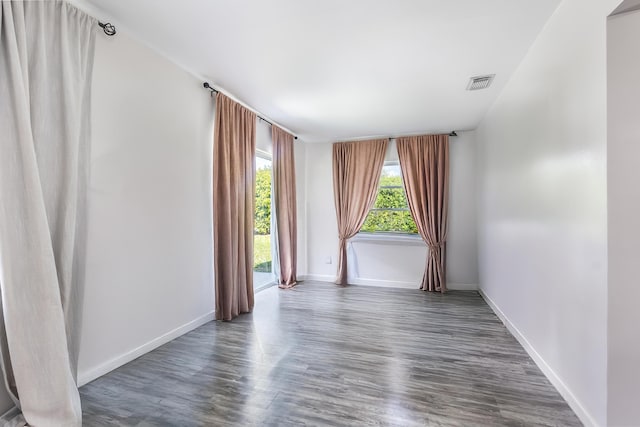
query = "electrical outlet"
{"x": 327, "y": 260}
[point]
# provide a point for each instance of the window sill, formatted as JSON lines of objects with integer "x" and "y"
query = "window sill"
{"x": 389, "y": 238}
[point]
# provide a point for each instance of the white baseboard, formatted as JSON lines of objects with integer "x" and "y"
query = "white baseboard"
{"x": 389, "y": 283}
{"x": 462, "y": 286}
{"x": 317, "y": 277}
{"x": 94, "y": 373}
{"x": 9, "y": 416}
{"x": 557, "y": 382}
{"x": 384, "y": 283}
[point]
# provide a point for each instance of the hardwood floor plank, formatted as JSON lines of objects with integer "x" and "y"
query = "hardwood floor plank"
{"x": 320, "y": 354}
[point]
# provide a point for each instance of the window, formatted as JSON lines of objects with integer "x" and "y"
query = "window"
{"x": 390, "y": 213}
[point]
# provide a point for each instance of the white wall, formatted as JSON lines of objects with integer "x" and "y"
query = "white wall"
{"x": 392, "y": 263}
{"x": 462, "y": 248}
{"x": 149, "y": 256}
{"x": 300, "y": 152}
{"x": 623, "y": 176}
{"x": 542, "y": 220}
{"x": 321, "y": 228}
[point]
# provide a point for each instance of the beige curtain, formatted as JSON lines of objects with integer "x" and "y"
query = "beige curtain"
{"x": 356, "y": 174}
{"x": 234, "y": 146}
{"x": 424, "y": 161}
{"x": 46, "y": 61}
{"x": 284, "y": 193}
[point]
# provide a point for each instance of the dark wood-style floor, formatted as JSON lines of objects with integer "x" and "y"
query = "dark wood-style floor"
{"x": 323, "y": 355}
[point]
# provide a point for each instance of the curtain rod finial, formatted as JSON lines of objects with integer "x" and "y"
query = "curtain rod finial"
{"x": 108, "y": 28}
{"x": 206, "y": 85}
{"x": 453, "y": 133}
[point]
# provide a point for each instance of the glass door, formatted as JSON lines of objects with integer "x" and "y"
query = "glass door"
{"x": 262, "y": 259}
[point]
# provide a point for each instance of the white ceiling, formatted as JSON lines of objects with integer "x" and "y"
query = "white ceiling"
{"x": 343, "y": 69}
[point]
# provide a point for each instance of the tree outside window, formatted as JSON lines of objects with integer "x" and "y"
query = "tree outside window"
{"x": 390, "y": 213}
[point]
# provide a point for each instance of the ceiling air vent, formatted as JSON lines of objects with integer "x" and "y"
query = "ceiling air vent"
{"x": 480, "y": 82}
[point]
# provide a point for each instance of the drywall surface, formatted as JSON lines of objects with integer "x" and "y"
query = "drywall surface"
{"x": 301, "y": 188}
{"x": 149, "y": 255}
{"x": 384, "y": 262}
{"x": 322, "y": 230}
{"x": 623, "y": 196}
{"x": 542, "y": 212}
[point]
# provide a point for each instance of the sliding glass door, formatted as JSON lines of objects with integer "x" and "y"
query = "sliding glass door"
{"x": 262, "y": 258}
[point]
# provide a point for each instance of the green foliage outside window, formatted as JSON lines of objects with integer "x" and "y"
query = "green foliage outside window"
{"x": 262, "y": 223}
{"x": 390, "y": 212}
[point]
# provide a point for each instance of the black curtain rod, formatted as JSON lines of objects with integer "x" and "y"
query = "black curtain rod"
{"x": 108, "y": 28}
{"x": 206, "y": 85}
{"x": 452, "y": 133}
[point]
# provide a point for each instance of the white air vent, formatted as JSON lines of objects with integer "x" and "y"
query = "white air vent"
{"x": 480, "y": 82}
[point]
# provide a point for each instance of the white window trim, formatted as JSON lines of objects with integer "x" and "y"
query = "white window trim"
{"x": 388, "y": 238}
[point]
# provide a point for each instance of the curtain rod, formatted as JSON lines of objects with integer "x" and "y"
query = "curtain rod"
{"x": 452, "y": 133}
{"x": 206, "y": 85}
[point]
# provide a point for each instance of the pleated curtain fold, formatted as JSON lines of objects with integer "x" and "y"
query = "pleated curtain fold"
{"x": 424, "y": 161}
{"x": 356, "y": 174}
{"x": 284, "y": 193}
{"x": 46, "y": 61}
{"x": 234, "y": 171}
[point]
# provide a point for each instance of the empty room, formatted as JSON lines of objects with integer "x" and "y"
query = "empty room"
{"x": 319, "y": 213}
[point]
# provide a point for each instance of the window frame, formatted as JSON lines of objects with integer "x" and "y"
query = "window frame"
{"x": 389, "y": 235}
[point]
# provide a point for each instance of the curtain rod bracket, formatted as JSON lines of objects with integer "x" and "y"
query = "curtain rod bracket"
{"x": 108, "y": 28}
{"x": 453, "y": 133}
